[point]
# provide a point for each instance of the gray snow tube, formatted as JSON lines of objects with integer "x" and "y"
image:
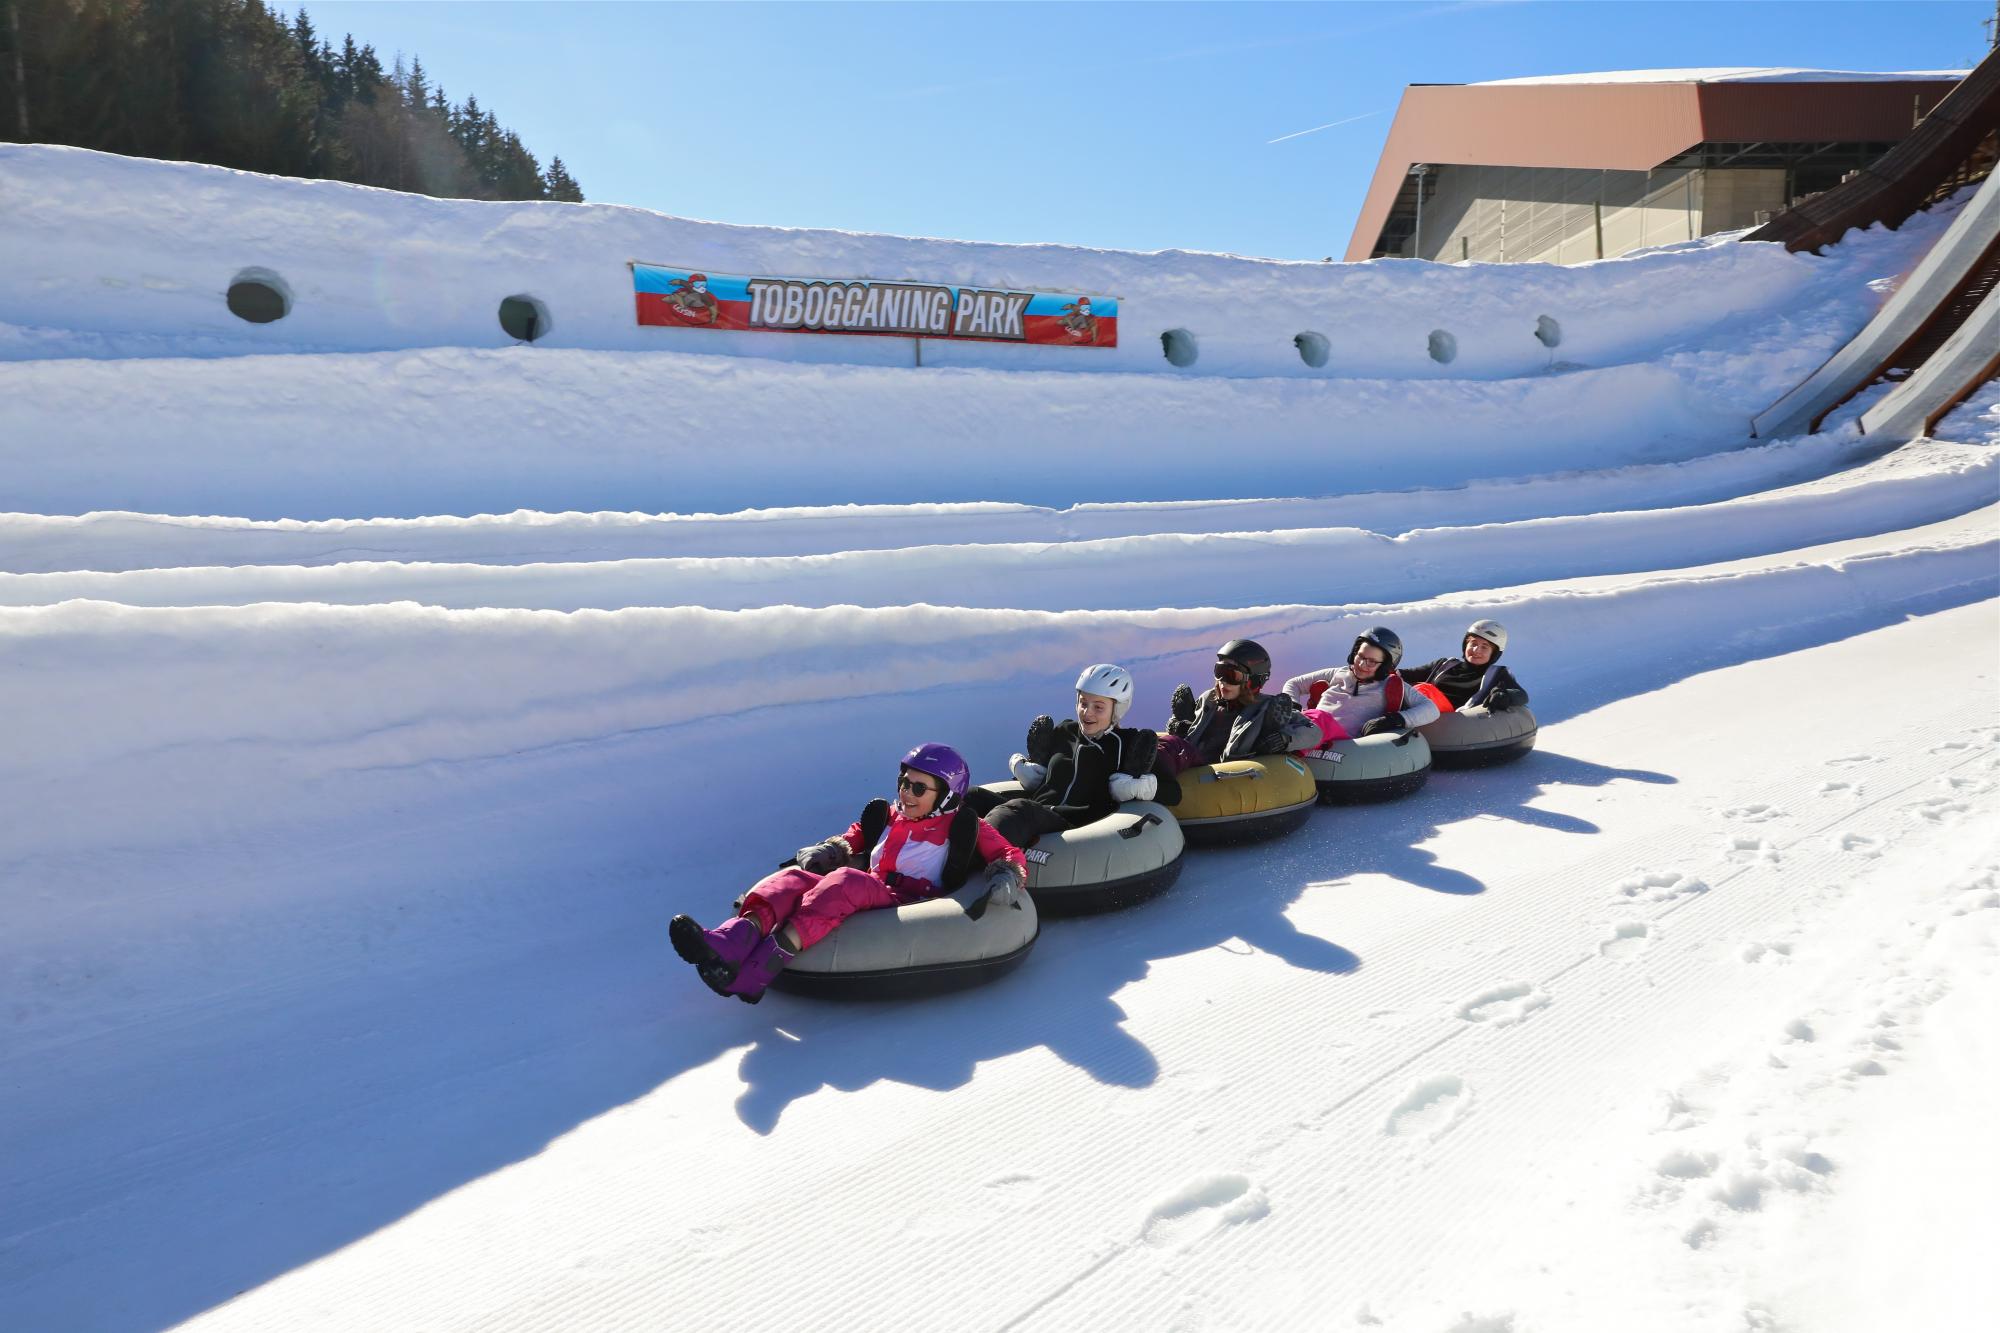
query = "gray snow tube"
{"x": 1476, "y": 737}
{"x": 916, "y": 949}
{"x": 1370, "y": 768}
{"x": 1122, "y": 859}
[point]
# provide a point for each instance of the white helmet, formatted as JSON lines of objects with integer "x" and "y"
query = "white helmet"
{"x": 1492, "y": 631}
{"x": 1113, "y": 682}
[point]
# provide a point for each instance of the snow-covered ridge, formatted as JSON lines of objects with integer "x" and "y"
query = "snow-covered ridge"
{"x": 114, "y": 541}
{"x": 1911, "y": 488}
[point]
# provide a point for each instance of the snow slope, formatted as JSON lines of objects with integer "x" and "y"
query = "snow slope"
{"x": 374, "y": 693}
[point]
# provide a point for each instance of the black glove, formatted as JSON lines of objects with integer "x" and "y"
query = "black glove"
{"x": 822, "y": 857}
{"x": 1275, "y": 741}
{"x": 1505, "y": 698}
{"x": 1041, "y": 746}
{"x": 1392, "y": 722}
{"x": 1183, "y": 705}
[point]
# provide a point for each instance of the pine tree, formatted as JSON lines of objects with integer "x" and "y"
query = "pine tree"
{"x": 233, "y": 83}
{"x": 559, "y": 185}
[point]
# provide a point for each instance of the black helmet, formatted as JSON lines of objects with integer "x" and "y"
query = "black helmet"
{"x": 1248, "y": 654}
{"x": 1384, "y": 638}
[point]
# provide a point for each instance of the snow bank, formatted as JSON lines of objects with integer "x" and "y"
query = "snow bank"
{"x": 1325, "y": 564}
{"x": 121, "y": 540}
{"x": 110, "y": 703}
{"x": 125, "y": 257}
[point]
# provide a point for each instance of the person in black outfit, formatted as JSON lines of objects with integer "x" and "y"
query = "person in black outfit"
{"x": 1476, "y": 678}
{"x": 1076, "y": 773}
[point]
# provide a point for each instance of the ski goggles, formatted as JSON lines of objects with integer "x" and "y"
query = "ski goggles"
{"x": 1231, "y": 674}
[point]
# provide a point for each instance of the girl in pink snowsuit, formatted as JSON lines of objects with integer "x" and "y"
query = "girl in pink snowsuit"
{"x": 923, "y": 845}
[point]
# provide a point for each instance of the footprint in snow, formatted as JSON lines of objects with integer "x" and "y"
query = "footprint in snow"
{"x": 1975, "y": 900}
{"x": 1686, "y": 1164}
{"x": 1469, "y": 1322}
{"x": 1835, "y": 788}
{"x": 1627, "y": 939}
{"x": 1754, "y": 814}
{"x": 1504, "y": 1004}
{"x": 1859, "y": 843}
{"x": 1202, "y": 1207}
{"x": 1949, "y": 746}
{"x": 1767, "y": 951}
{"x": 1014, "y": 1187}
{"x": 1752, "y": 850}
{"x": 1855, "y": 759}
{"x": 1938, "y": 809}
{"x": 1659, "y": 886}
{"x": 1429, "y": 1109}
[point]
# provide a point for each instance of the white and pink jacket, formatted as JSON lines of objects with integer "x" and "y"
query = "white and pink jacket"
{"x": 1349, "y": 705}
{"x": 909, "y": 856}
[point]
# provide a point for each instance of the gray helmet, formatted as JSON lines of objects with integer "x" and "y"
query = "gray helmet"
{"x": 1384, "y": 638}
{"x": 1492, "y": 631}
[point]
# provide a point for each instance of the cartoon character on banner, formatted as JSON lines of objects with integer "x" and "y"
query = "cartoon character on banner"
{"x": 692, "y": 301}
{"x": 1076, "y": 318}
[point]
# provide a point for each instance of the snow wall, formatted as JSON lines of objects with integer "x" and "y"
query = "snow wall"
{"x": 115, "y": 330}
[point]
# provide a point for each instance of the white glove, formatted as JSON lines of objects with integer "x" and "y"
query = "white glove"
{"x": 1030, "y": 776}
{"x": 1125, "y": 787}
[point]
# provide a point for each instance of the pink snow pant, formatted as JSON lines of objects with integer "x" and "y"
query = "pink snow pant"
{"x": 1329, "y": 726}
{"x": 1176, "y": 756}
{"x": 812, "y": 905}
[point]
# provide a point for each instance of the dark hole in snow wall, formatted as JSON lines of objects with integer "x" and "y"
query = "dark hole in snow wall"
{"x": 1444, "y": 347}
{"x": 524, "y": 318}
{"x": 1178, "y": 344}
{"x": 1312, "y": 349}
{"x": 1548, "y": 332}
{"x": 259, "y": 296}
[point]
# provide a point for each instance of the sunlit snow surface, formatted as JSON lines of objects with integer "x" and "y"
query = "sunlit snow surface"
{"x": 373, "y": 693}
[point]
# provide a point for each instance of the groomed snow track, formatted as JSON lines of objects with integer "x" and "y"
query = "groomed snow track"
{"x": 341, "y": 847}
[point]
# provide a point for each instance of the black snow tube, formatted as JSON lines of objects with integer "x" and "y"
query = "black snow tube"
{"x": 916, "y": 949}
{"x": 1122, "y": 859}
{"x": 1477, "y": 737}
{"x": 1370, "y": 768}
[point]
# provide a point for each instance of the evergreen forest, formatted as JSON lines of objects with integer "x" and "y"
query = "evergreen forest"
{"x": 232, "y": 83}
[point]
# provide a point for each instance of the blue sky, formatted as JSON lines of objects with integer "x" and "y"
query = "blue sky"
{"x": 1134, "y": 126}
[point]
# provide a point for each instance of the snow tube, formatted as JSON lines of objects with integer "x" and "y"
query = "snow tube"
{"x": 1124, "y": 858}
{"x": 1370, "y": 768}
{"x": 916, "y": 949}
{"x": 1240, "y": 800}
{"x": 1476, "y": 737}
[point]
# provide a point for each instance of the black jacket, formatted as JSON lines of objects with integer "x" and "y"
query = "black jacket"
{"x": 1220, "y": 732}
{"x": 1079, "y": 783}
{"x": 1458, "y": 680}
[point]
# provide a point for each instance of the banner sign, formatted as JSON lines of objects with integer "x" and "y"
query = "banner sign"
{"x": 684, "y": 298}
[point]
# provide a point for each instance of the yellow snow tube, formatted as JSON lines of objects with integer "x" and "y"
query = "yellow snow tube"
{"x": 1240, "y": 800}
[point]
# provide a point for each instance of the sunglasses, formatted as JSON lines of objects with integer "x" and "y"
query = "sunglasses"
{"x": 1230, "y": 673}
{"x": 905, "y": 782}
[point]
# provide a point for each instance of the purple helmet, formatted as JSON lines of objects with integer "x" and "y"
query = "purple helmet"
{"x": 947, "y": 766}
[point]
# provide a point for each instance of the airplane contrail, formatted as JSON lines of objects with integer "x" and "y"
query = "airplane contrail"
{"x": 1317, "y": 128}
